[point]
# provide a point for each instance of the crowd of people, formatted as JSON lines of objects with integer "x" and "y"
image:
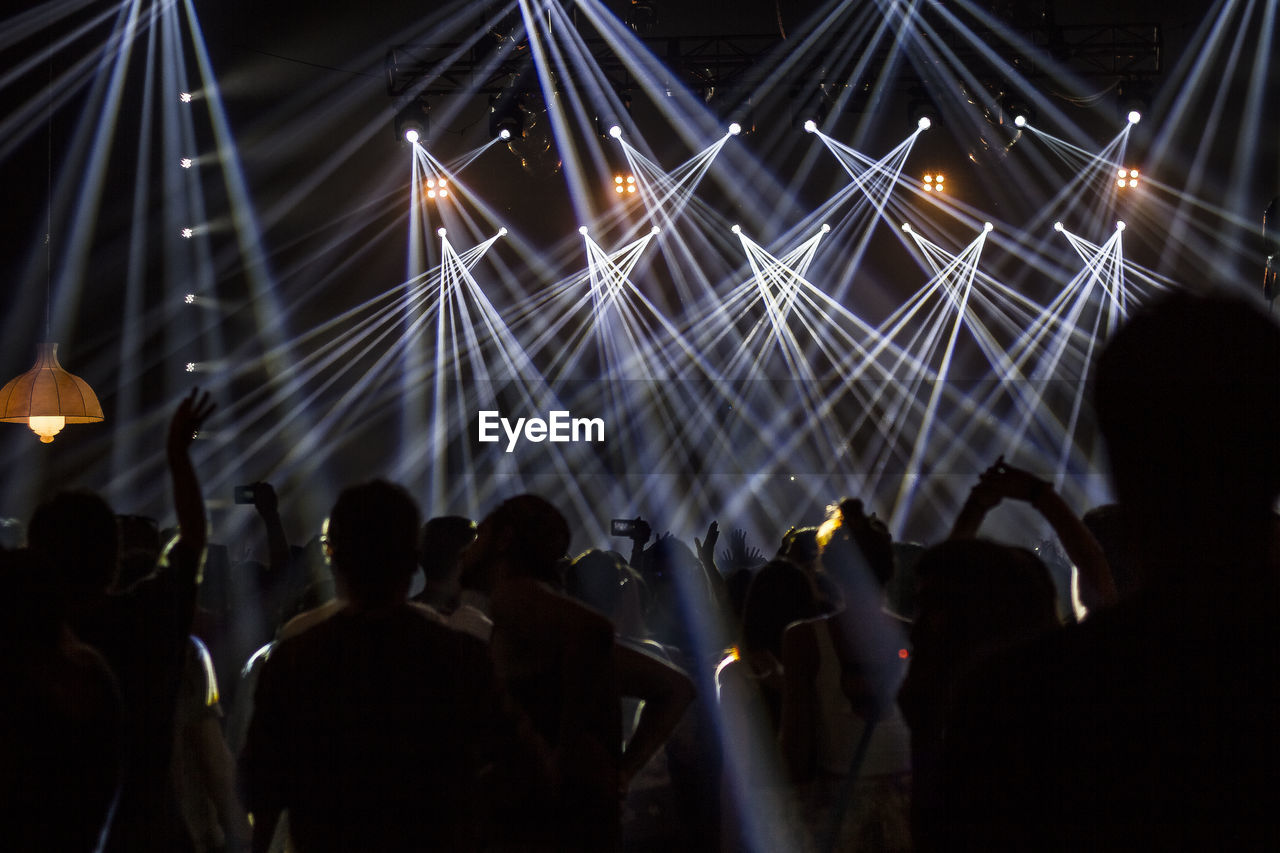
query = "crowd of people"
{"x": 458, "y": 685}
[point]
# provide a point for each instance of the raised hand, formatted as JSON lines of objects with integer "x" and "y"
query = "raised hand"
{"x": 1005, "y": 481}
{"x": 707, "y": 547}
{"x": 190, "y": 415}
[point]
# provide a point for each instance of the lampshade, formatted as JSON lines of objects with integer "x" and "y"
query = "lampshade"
{"x": 47, "y": 397}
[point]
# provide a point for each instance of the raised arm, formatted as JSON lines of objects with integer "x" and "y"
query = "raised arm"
{"x": 1001, "y": 481}
{"x": 268, "y": 507}
{"x": 188, "y": 502}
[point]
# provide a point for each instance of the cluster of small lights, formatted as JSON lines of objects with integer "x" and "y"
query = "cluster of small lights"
{"x": 934, "y": 182}
{"x": 188, "y": 233}
{"x": 621, "y": 185}
{"x": 1127, "y": 178}
{"x": 190, "y": 299}
{"x": 191, "y": 367}
{"x": 185, "y": 162}
{"x": 185, "y": 97}
{"x": 437, "y": 188}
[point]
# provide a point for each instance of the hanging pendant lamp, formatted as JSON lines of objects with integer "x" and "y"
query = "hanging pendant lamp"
{"x": 47, "y": 397}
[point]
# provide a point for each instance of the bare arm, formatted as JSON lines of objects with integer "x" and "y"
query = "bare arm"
{"x": 1001, "y": 481}
{"x": 268, "y": 507}
{"x": 666, "y": 692}
{"x": 187, "y": 500}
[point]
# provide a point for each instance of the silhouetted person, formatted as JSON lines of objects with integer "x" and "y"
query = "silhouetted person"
{"x": 61, "y": 733}
{"x": 372, "y": 726}
{"x": 974, "y": 598}
{"x": 141, "y": 631}
{"x": 440, "y": 547}
{"x": 1155, "y": 723}
{"x": 553, "y": 658}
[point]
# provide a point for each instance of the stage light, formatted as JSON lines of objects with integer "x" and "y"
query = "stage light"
{"x": 631, "y": 183}
{"x": 737, "y": 229}
{"x": 185, "y": 97}
{"x": 1057, "y": 226}
{"x": 933, "y": 182}
{"x": 988, "y": 227}
{"x": 440, "y": 232}
{"x": 502, "y": 232}
{"x": 810, "y": 126}
{"x": 1019, "y": 121}
{"x": 190, "y": 299}
{"x": 188, "y": 233}
{"x": 582, "y": 229}
{"x": 924, "y": 123}
{"x": 1127, "y": 178}
{"x": 655, "y": 230}
{"x": 906, "y": 227}
{"x": 411, "y": 120}
{"x": 507, "y": 113}
{"x": 734, "y": 128}
{"x": 191, "y": 367}
{"x": 1134, "y": 116}
{"x": 615, "y": 132}
{"x": 185, "y": 162}
{"x": 826, "y": 229}
{"x": 1120, "y": 225}
{"x": 504, "y": 134}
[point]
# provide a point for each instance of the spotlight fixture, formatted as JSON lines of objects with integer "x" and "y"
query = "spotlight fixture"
{"x": 655, "y": 230}
{"x": 1057, "y": 226}
{"x": 1127, "y": 178}
{"x": 734, "y": 128}
{"x": 624, "y": 184}
{"x": 1020, "y": 121}
{"x": 502, "y": 232}
{"x": 615, "y": 131}
{"x": 185, "y": 162}
{"x": 440, "y": 232}
{"x": 188, "y": 233}
{"x": 924, "y": 123}
{"x": 934, "y": 183}
{"x": 906, "y": 226}
{"x": 507, "y": 113}
{"x": 1120, "y": 225}
{"x": 504, "y": 134}
{"x": 437, "y": 188}
{"x": 1134, "y": 116}
{"x": 737, "y": 229}
{"x": 641, "y": 17}
{"x": 988, "y": 227}
{"x": 582, "y": 229}
{"x": 191, "y": 367}
{"x": 810, "y": 126}
{"x": 185, "y": 97}
{"x": 825, "y": 229}
{"x": 189, "y": 299}
{"x": 411, "y": 121}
